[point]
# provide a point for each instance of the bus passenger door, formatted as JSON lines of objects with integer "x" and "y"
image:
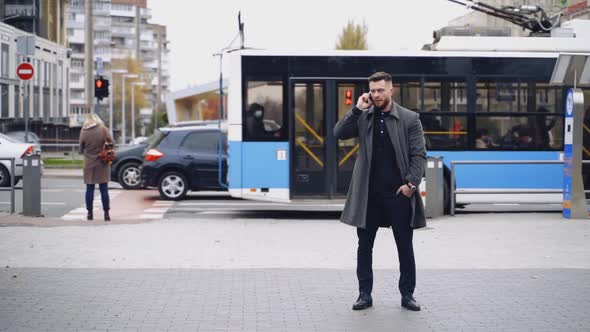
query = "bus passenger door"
{"x": 308, "y": 174}
{"x": 346, "y": 150}
{"x": 322, "y": 165}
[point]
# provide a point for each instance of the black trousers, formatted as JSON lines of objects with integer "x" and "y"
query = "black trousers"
{"x": 387, "y": 210}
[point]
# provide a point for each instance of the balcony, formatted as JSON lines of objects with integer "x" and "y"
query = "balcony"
{"x": 75, "y": 25}
{"x": 78, "y": 84}
{"x": 121, "y": 31}
{"x": 148, "y": 45}
{"x": 121, "y": 53}
{"x": 146, "y": 13}
{"x": 122, "y": 12}
{"x": 151, "y": 64}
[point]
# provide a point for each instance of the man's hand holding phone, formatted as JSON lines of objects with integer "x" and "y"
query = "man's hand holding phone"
{"x": 364, "y": 101}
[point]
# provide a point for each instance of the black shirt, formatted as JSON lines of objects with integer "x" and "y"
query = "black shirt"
{"x": 385, "y": 177}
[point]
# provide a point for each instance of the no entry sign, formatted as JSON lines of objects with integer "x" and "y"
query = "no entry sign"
{"x": 25, "y": 71}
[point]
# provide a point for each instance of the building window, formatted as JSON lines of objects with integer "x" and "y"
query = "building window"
{"x": 59, "y": 74}
{"x": 36, "y": 97}
{"x": 46, "y": 74}
{"x": 76, "y": 77}
{"x": 17, "y": 112}
{"x": 76, "y": 63}
{"x": 264, "y": 111}
{"x": 46, "y": 105}
{"x": 4, "y": 100}
{"x": 102, "y": 35}
{"x": 122, "y": 7}
{"x": 77, "y": 94}
{"x": 4, "y": 58}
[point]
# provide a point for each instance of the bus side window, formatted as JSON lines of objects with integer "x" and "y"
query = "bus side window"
{"x": 262, "y": 119}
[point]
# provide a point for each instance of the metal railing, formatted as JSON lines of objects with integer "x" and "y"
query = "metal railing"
{"x": 454, "y": 191}
{"x": 11, "y": 189}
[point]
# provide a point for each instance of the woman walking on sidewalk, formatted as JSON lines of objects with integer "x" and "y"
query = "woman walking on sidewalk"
{"x": 93, "y": 137}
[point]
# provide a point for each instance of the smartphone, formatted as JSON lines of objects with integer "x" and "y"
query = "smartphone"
{"x": 370, "y": 98}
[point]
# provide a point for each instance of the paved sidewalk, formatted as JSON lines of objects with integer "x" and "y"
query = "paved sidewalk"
{"x": 509, "y": 272}
{"x": 289, "y": 300}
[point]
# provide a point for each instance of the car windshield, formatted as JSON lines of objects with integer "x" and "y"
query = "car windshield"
{"x": 9, "y": 139}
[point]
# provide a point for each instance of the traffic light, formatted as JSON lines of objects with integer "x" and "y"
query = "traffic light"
{"x": 101, "y": 88}
{"x": 348, "y": 97}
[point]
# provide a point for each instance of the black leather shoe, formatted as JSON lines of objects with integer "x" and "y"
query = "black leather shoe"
{"x": 410, "y": 303}
{"x": 363, "y": 302}
{"x": 107, "y": 217}
{"x": 89, "y": 216}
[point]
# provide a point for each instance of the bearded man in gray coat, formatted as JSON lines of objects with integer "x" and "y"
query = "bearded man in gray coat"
{"x": 383, "y": 190}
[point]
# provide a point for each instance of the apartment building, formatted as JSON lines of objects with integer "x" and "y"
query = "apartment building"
{"x": 122, "y": 30}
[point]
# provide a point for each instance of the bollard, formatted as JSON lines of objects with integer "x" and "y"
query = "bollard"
{"x": 32, "y": 186}
{"x": 434, "y": 187}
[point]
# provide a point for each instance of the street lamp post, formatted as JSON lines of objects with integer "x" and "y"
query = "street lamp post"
{"x": 112, "y": 88}
{"x": 123, "y": 130}
{"x": 133, "y": 85}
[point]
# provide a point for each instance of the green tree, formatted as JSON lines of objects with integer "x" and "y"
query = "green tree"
{"x": 162, "y": 120}
{"x": 353, "y": 37}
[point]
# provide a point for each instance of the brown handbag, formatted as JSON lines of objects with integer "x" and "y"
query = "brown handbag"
{"x": 107, "y": 153}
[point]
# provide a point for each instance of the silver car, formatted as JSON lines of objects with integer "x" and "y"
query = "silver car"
{"x": 13, "y": 148}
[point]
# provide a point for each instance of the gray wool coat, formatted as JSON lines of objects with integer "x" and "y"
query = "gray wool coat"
{"x": 407, "y": 137}
{"x": 91, "y": 141}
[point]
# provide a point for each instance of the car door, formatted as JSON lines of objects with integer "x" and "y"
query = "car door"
{"x": 199, "y": 153}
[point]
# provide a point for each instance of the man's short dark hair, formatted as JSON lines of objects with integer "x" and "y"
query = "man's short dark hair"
{"x": 380, "y": 76}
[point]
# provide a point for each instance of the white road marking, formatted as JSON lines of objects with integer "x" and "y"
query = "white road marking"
{"x": 79, "y": 213}
{"x": 156, "y": 210}
{"x": 150, "y": 216}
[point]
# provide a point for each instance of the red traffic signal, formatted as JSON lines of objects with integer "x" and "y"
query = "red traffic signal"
{"x": 101, "y": 88}
{"x": 348, "y": 97}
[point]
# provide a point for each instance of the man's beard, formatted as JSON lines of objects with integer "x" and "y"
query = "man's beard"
{"x": 386, "y": 103}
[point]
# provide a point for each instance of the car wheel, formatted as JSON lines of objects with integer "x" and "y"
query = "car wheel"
{"x": 129, "y": 176}
{"x": 172, "y": 186}
{"x": 4, "y": 177}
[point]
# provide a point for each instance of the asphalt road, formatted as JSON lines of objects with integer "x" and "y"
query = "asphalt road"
{"x": 64, "y": 198}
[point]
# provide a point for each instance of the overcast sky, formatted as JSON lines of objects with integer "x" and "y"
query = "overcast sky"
{"x": 198, "y": 29}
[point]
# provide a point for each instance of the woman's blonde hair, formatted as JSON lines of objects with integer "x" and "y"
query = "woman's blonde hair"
{"x": 93, "y": 120}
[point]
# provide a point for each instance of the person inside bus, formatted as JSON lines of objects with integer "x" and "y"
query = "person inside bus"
{"x": 482, "y": 141}
{"x": 254, "y": 124}
{"x": 383, "y": 188}
{"x": 543, "y": 125}
{"x": 524, "y": 140}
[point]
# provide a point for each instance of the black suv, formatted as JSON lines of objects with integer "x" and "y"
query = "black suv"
{"x": 125, "y": 168}
{"x": 185, "y": 158}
